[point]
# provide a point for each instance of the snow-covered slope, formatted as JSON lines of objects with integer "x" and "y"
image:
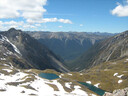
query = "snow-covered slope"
{"x": 16, "y": 82}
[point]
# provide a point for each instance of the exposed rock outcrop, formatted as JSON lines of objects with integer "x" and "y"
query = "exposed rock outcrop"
{"x": 119, "y": 92}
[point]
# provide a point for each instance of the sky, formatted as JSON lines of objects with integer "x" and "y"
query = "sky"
{"x": 65, "y": 15}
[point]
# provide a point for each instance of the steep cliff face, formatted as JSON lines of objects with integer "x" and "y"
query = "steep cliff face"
{"x": 24, "y": 51}
{"x": 68, "y": 45}
{"x": 113, "y": 48}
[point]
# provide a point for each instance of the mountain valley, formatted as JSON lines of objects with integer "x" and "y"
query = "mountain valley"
{"x": 73, "y": 44}
{"x": 63, "y": 47}
{"x": 23, "y": 58}
{"x": 112, "y": 48}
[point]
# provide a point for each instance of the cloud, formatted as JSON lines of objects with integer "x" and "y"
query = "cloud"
{"x": 19, "y": 25}
{"x": 38, "y": 25}
{"x": 65, "y": 21}
{"x": 13, "y": 23}
{"x": 30, "y": 10}
{"x": 81, "y": 25}
{"x": 120, "y": 10}
{"x": 45, "y": 20}
{"x": 1, "y": 22}
{"x": 60, "y": 26}
{"x": 29, "y": 26}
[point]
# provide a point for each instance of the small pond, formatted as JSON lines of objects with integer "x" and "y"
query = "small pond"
{"x": 93, "y": 88}
{"x": 51, "y": 76}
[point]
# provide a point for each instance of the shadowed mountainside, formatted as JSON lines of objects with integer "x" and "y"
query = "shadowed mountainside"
{"x": 23, "y": 51}
{"x": 115, "y": 47}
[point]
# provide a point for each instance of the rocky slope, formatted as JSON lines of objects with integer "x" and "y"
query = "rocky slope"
{"x": 69, "y": 45}
{"x": 119, "y": 92}
{"x": 115, "y": 47}
{"x": 22, "y": 51}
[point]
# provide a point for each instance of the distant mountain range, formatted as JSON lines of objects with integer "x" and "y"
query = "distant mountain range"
{"x": 69, "y": 45}
{"x": 22, "y": 51}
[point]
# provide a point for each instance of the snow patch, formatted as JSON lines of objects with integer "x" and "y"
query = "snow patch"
{"x": 120, "y": 81}
{"x": 120, "y": 76}
{"x": 5, "y": 54}
{"x": 39, "y": 84}
{"x": 61, "y": 75}
{"x": 93, "y": 95}
{"x": 2, "y": 58}
{"x": 8, "y": 70}
{"x": 15, "y": 48}
{"x": 81, "y": 73}
{"x": 96, "y": 85}
{"x": 89, "y": 82}
{"x": 126, "y": 60}
{"x": 115, "y": 74}
{"x": 9, "y": 52}
{"x": 79, "y": 92}
{"x": 5, "y": 64}
{"x": 67, "y": 85}
{"x": 69, "y": 74}
{"x": 17, "y": 37}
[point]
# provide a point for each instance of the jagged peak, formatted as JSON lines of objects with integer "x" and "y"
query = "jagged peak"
{"x": 125, "y": 32}
{"x": 122, "y": 35}
{"x": 14, "y": 30}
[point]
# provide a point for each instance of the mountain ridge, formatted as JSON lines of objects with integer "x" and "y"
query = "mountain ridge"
{"x": 31, "y": 51}
{"x": 112, "y": 48}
